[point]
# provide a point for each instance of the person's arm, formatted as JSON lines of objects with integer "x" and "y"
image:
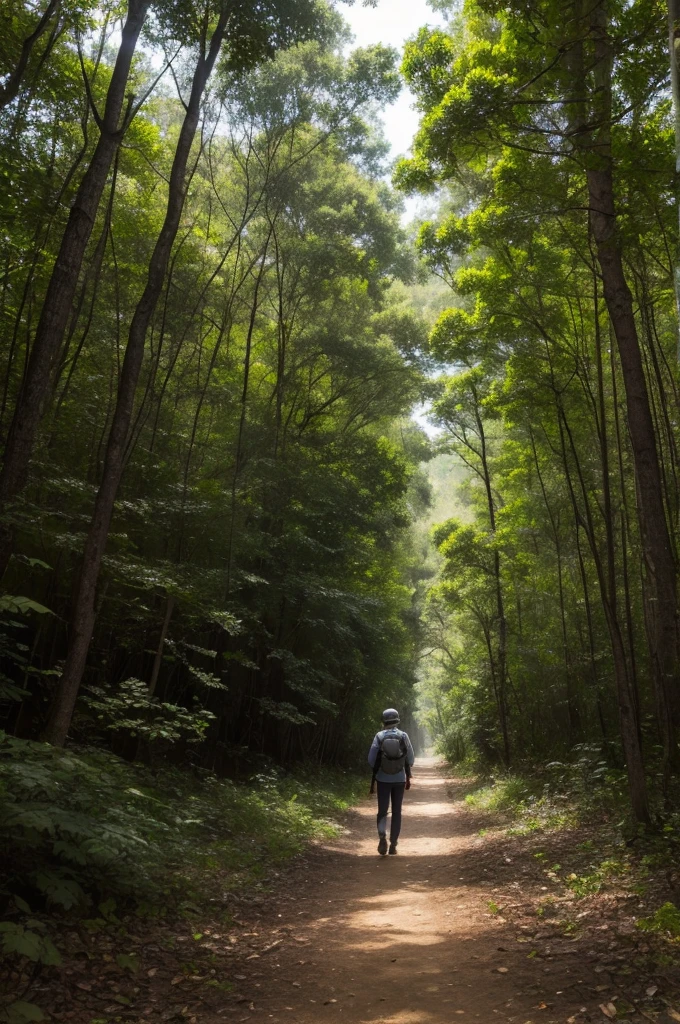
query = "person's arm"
{"x": 410, "y": 758}
{"x": 374, "y": 761}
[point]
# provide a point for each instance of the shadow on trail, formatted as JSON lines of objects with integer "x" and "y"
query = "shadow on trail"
{"x": 412, "y": 939}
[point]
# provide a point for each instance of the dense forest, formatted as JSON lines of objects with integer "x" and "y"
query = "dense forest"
{"x": 547, "y": 133}
{"x": 209, "y": 359}
{"x": 274, "y": 460}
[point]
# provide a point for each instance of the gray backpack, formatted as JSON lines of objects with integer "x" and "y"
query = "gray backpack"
{"x": 392, "y": 752}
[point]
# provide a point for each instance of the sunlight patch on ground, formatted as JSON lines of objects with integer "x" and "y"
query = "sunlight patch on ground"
{"x": 404, "y": 1017}
{"x": 432, "y": 810}
{"x": 402, "y": 914}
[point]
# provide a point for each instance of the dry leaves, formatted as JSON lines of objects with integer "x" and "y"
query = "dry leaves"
{"x": 609, "y": 1010}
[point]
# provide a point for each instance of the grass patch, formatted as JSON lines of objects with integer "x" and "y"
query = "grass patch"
{"x": 594, "y": 881}
{"x": 508, "y": 793}
{"x": 559, "y": 795}
{"x": 665, "y": 921}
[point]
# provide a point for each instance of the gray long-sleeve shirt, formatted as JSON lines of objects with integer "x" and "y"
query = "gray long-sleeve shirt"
{"x": 375, "y": 747}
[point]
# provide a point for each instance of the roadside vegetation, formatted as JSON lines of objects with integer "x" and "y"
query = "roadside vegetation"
{"x": 90, "y": 842}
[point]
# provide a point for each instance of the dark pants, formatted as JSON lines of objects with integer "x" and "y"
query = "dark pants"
{"x": 393, "y": 791}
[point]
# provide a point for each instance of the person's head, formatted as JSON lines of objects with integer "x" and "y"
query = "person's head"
{"x": 390, "y": 718}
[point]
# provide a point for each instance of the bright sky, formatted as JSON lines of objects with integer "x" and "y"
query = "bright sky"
{"x": 392, "y": 22}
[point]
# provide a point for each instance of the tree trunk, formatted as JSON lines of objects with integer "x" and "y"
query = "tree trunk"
{"x": 657, "y": 548}
{"x": 502, "y": 655}
{"x": 673, "y": 53}
{"x": 83, "y": 618}
{"x": 13, "y": 83}
{"x": 153, "y": 681}
{"x": 63, "y": 282}
{"x": 626, "y": 699}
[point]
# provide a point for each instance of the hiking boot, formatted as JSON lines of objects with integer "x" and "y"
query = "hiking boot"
{"x": 382, "y": 846}
{"x": 393, "y": 848}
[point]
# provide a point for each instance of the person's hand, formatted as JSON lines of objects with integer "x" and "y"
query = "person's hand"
{"x": 408, "y": 783}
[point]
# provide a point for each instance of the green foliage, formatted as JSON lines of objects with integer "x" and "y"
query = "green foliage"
{"x": 28, "y": 942}
{"x": 130, "y": 709}
{"x": 510, "y": 793}
{"x": 539, "y": 610}
{"x": 267, "y": 498}
{"x": 665, "y": 920}
{"x": 21, "y": 605}
{"x": 21, "y": 1012}
{"x": 82, "y": 827}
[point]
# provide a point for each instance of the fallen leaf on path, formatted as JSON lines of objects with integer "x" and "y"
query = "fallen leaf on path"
{"x": 327, "y": 1001}
{"x": 177, "y": 979}
{"x": 502, "y": 970}
{"x": 652, "y": 990}
{"x": 150, "y": 973}
{"x": 609, "y": 1010}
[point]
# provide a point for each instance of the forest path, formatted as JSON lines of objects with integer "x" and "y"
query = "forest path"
{"x": 411, "y": 939}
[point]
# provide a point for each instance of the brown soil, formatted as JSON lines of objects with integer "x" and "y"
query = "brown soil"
{"x": 466, "y": 923}
{"x": 419, "y": 938}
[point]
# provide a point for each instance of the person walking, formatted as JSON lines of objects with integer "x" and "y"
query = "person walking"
{"x": 391, "y": 758}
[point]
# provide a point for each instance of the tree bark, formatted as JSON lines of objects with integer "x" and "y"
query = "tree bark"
{"x": 673, "y": 53}
{"x": 83, "y": 618}
{"x": 502, "y": 653}
{"x": 11, "y": 87}
{"x": 63, "y": 282}
{"x": 155, "y": 671}
{"x": 626, "y": 698}
{"x": 657, "y": 548}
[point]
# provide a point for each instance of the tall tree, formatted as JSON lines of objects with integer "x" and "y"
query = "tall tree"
{"x": 58, "y": 301}
{"x": 254, "y": 36}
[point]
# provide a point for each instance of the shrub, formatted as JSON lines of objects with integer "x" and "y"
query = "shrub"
{"x": 80, "y": 826}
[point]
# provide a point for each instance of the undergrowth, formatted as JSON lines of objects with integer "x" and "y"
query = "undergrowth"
{"x": 81, "y": 826}
{"x": 606, "y": 852}
{"x": 561, "y": 794}
{"x": 85, "y": 836}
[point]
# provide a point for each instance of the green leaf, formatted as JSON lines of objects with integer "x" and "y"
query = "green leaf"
{"x": 128, "y": 962}
{"x": 20, "y": 1012}
{"x": 17, "y": 939}
{"x": 63, "y": 892}
{"x": 22, "y": 605}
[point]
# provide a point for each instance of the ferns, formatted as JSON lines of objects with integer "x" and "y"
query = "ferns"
{"x": 78, "y": 827}
{"x": 66, "y": 829}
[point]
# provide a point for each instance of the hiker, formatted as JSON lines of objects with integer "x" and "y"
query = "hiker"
{"x": 391, "y": 756}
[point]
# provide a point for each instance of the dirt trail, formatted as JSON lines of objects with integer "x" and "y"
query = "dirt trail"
{"x": 411, "y": 939}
